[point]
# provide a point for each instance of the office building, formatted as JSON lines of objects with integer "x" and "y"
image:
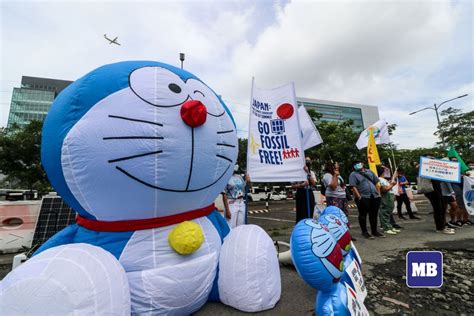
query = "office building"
{"x": 361, "y": 115}
{"x": 33, "y": 99}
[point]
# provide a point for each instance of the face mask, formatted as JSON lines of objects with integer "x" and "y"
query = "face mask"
{"x": 308, "y": 164}
{"x": 358, "y": 166}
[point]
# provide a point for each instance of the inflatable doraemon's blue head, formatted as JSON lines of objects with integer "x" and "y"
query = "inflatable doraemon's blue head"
{"x": 316, "y": 254}
{"x": 137, "y": 140}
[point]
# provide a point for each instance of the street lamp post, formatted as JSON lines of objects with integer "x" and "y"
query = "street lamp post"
{"x": 436, "y": 107}
{"x": 181, "y": 57}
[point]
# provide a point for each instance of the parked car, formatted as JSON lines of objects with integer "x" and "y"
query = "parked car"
{"x": 278, "y": 196}
{"x": 258, "y": 196}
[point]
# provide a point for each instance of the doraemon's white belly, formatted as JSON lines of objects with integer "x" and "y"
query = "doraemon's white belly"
{"x": 163, "y": 281}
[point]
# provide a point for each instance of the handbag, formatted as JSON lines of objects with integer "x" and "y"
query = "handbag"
{"x": 424, "y": 185}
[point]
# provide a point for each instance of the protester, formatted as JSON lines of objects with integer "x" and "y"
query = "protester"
{"x": 470, "y": 172}
{"x": 335, "y": 187}
{"x": 304, "y": 194}
{"x": 433, "y": 192}
{"x": 462, "y": 216}
{"x": 364, "y": 185}
{"x": 402, "y": 197}
{"x": 449, "y": 199}
{"x": 234, "y": 200}
{"x": 387, "y": 202}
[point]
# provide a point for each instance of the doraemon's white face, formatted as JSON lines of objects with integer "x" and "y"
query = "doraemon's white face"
{"x": 147, "y": 151}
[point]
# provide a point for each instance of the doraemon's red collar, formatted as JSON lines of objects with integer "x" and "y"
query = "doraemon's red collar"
{"x": 141, "y": 224}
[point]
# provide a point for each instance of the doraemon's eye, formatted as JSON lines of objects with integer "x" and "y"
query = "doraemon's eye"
{"x": 199, "y": 91}
{"x": 158, "y": 86}
{"x": 174, "y": 87}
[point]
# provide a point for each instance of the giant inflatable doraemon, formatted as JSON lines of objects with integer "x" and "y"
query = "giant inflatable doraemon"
{"x": 140, "y": 150}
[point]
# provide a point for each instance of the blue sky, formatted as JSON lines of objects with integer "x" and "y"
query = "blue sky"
{"x": 400, "y": 56}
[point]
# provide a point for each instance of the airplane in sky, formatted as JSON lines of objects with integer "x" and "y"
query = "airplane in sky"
{"x": 112, "y": 41}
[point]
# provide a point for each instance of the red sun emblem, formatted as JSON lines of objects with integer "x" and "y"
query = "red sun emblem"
{"x": 285, "y": 111}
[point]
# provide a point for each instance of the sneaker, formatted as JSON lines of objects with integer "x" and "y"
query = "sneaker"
{"x": 397, "y": 226}
{"x": 367, "y": 235}
{"x": 402, "y": 217}
{"x": 446, "y": 231}
{"x": 452, "y": 224}
{"x": 396, "y": 230}
{"x": 390, "y": 232}
{"x": 377, "y": 234}
{"x": 468, "y": 223}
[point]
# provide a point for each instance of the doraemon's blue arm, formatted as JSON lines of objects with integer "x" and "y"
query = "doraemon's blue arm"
{"x": 63, "y": 237}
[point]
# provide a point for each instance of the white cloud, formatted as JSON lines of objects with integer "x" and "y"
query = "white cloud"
{"x": 396, "y": 55}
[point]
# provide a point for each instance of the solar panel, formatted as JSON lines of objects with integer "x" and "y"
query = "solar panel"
{"x": 54, "y": 215}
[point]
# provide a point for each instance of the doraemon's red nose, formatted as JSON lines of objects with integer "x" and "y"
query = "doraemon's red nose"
{"x": 193, "y": 113}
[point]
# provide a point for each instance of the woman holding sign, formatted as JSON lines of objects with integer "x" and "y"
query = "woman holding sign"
{"x": 305, "y": 201}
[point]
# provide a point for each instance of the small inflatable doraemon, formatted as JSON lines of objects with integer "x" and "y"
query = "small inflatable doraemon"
{"x": 140, "y": 150}
{"x": 316, "y": 254}
{"x": 321, "y": 255}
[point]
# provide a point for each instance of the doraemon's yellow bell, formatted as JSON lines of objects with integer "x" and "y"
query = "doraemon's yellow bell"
{"x": 186, "y": 238}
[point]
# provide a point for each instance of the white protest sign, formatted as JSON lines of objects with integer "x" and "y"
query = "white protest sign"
{"x": 468, "y": 194}
{"x": 442, "y": 170}
{"x": 358, "y": 258}
{"x": 354, "y": 303}
{"x": 355, "y": 274}
{"x": 274, "y": 150}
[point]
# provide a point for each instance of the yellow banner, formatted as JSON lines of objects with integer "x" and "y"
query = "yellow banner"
{"x": 372, "y": 153}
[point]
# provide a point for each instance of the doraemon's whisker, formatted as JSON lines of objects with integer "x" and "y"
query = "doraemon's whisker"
{"x": 134, "y": 120}
{"x": 227, "y": 145}
{"x": 225, "y": 132}
{"x": 328, "y": 248}
{"x": 218, "y": 115}
{"x": 229, "y": 160}
{"x": 135, "y": 156}
{"x": 324, "y": 242}
{"x": 133, "y": 137}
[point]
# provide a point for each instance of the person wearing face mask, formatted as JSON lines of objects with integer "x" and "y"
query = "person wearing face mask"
{"x": 233, "y": 197}
{"x": 366, "y": 189}
{"x": 304, "y": 194}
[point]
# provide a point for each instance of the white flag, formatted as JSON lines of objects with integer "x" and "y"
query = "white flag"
{"x": 381, "y": 135}
{"x": 274, "y": 151}
{"x": 309, "y": 132}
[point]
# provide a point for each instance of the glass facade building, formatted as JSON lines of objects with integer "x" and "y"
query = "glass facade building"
{"x": 361, "y": 115}
{"x": 33, "y": 99}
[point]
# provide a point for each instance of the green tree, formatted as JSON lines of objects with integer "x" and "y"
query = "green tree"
{"x": 338, "y": 145}
{"x": 457, "y": 128}
{"x": 20, "y": 157}
{"x": 242, "y": 157}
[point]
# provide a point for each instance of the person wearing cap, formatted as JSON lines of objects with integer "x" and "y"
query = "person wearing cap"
{"x": 365, "y": 186}
{"x": 233, "y": 197}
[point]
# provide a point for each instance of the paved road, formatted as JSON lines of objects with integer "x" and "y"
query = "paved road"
{"x": 298, "y": 298}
